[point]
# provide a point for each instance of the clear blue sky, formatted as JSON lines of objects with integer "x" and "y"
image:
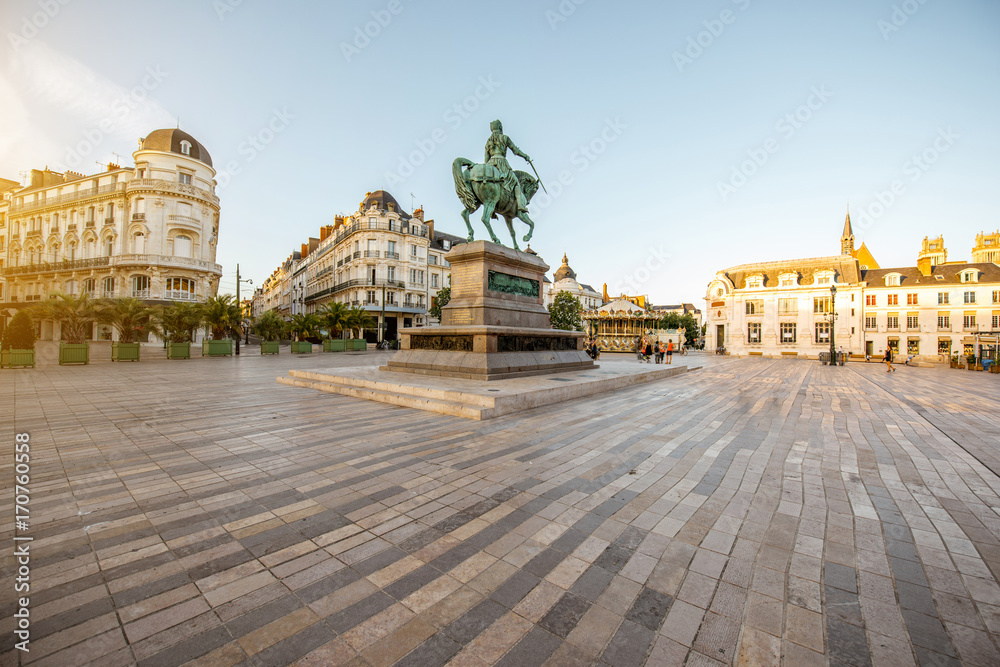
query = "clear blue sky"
{"x": 673, "y": 98}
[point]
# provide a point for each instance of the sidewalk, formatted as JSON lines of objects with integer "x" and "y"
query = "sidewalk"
{"x": 753, "y": 512}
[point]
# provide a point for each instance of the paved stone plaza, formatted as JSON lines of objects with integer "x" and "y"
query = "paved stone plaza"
{"x": 755, "y": 511}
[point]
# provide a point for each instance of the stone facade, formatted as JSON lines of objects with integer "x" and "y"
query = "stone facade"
{"x": 565, "y": 281}
{"x": 148, "y": 231}
{"x": 930, "y": 311}
{"x": 380, "y": 258}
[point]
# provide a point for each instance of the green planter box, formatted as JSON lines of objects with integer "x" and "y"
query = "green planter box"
{"x": 334, "y": 345}
{"x": 17, "y": 359}
{"x": 74, "y": 353}
{"x": 178, "y": 350}
{"x": 269, "y": 346}
{"x": 124, "y": 351}
{"x": 217, "y": 348}
{"x": 302, "y": 347}
{"x": 358, "y": 344}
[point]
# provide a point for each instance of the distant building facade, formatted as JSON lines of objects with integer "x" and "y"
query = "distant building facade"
{"x": 564, "y": 280}
{"x": 787, "y": 308}
{"x": 380, "y": 258}
{"x": 149, "y": 231}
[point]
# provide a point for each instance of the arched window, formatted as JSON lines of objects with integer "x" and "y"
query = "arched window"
{"x": 182, "y": 246}
{"x": 186, "y": 147}
{"x": 138, "y": 243}
{"x": 180, "y": 289}
{"x": 71, "y": 252}
{"x": 140, "y": 287}
{"x": 109, "y": 246}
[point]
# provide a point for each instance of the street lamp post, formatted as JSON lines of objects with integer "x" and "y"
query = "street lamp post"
{"x": 239, "y": 304}
{"x": 833, "y": 324}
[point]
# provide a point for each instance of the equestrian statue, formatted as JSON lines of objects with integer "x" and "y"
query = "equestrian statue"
{"x": 495, "y": 186}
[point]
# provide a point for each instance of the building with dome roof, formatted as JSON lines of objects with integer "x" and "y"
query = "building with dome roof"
{"x": 380, "y": 258}
{"x": 564, "y": 280}
{"x": 148, "y": 231}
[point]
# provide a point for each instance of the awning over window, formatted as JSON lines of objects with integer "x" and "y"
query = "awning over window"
{"x": 893, "y": 338}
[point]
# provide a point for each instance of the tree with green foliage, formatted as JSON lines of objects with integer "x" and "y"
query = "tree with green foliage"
{"x": 305, "y": 326}
{"x": 564, "y": 312}
{"x": 177, "y": 322}
{"x": 332, "y": 317}
{"x": 358, "y": 320}
{"x": 20, "y": 333}
{"x": 269, "y": 326}
{"x": 687, "y": 323}
{"x": 129, "y": 316}
{"x": 441, "y": 300}
{"x": 75, "y": 313}
{"x": 222, "y": 314}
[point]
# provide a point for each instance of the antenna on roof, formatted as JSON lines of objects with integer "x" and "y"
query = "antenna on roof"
{"x": 411, "y": 202}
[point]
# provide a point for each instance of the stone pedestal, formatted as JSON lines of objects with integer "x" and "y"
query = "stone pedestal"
{"x": 495, "y": 325}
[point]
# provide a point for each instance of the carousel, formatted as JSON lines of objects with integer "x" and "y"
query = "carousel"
{"x": 619, "y": 325}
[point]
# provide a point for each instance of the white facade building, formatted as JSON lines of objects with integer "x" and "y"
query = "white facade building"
{"x": 564, "y": 280}
{"x": 931, "y": 311}
{"x": 148, "y": 232}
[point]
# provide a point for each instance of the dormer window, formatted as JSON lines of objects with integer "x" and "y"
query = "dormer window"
{"x": 970, "y": 276}
{"x": 788, "y": 280}
{"x": 824, "y": 277}
{"x": 754, "y": 282}
{"x": 892, "y": 280}
{"x": 186, "y": 148}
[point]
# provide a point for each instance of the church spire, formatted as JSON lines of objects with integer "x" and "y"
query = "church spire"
{"x": 847, "y": 238}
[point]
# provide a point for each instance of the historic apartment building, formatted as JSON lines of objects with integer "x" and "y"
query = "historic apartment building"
{"x": 380, "y": 258}
{"x": 148, "y": 231}
{"x": 793, "y": 307}
{"x": 565, "y": 281}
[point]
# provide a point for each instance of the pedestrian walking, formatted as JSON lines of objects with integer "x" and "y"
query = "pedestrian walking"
{"x": 888, "y": 360}
{"x": 657, "y": 354}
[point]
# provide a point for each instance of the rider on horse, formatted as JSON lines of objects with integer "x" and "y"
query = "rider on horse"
{"x": 496, "y": 155}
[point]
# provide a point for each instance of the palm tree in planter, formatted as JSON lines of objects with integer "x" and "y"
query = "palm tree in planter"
{"x": 304, "y": 325}
{"x": 131, "y": 318}
{"x": 269, "y": 326}
{"x": 175, "y": 324}
{"x": 18, "y": 345}
{"x": 76, "y": 314}
{"x": 333, "y": 317}
{"x": 358, "y": 320}
{"x": 222, "y": 315}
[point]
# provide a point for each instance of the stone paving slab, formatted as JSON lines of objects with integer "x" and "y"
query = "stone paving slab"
{"x": 480, "y": 399}
{"x": 752, "y": 512}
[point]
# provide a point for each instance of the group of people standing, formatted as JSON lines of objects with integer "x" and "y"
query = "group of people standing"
{"x": 656, "y": 351}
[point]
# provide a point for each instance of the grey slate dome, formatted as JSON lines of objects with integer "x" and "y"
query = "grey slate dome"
{"x": 381, "y": 199}
{"x": 565, "y": 271}
{"x": 169, "y": 140}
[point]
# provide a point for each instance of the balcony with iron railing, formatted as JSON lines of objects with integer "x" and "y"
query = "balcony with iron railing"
{"x": 66, "y": 198}
{"x": 385, "y": 226}
{"x": 392, "y": 255}
{"x": 171, "y": 186}
{"x": 109, "y": 221}
{"x": 371, "y": 253}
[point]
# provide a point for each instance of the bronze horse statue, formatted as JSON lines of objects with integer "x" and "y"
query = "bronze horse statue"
{"x": 483, "y": 185}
